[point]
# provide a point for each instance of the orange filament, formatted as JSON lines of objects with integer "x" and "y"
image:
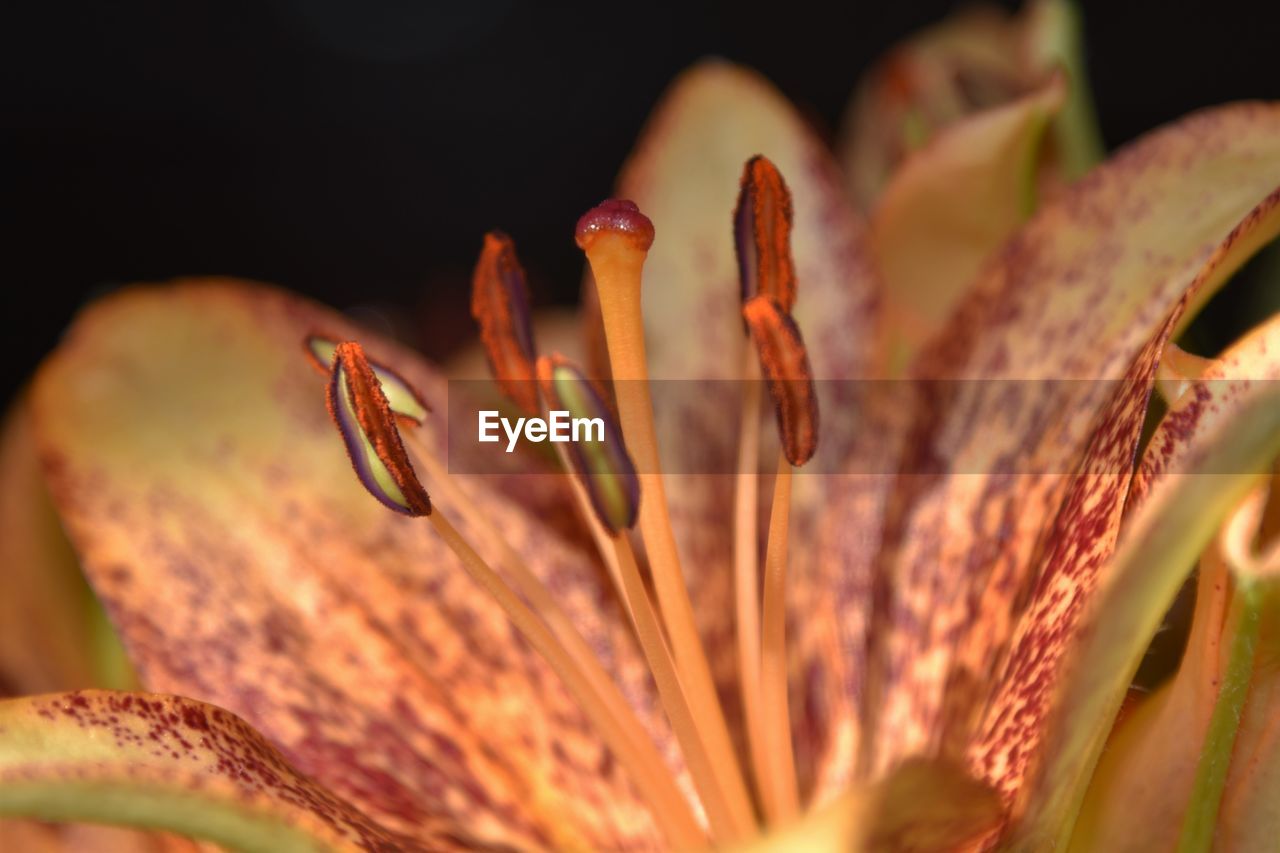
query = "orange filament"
{"x": 780, "y": 775}
{"x": 624, "y": 736}
{"x": 616, "y": 237}
{"x": 785, "y": 363}
{"x": 726, "y": 825}
{"x": 746, "y": 573}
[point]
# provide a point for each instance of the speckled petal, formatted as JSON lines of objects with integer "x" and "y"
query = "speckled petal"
{"x": 1214, "y": 445}
{"x": 165, "y": 762}
{"x": 1075, "y": 308}
{"x": 185, "y": 441}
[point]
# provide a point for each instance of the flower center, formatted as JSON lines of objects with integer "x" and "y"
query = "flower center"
{"x": 618, "y": 483}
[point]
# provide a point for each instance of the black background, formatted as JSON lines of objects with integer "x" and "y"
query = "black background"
{"x": 356, "y": 151}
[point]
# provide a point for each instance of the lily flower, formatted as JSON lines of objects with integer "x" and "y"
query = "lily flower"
{"x": 906, "y": 619}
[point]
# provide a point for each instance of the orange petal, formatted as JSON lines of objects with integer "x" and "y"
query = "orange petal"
{"x": 1082, "y": 298}
{"x": 188, "y": 449}
{"x": 1216, "y": 443}
{"x": 949, "y": 207}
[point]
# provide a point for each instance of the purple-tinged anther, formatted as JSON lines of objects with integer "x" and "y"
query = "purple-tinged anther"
{"x": 595, "y": 449}
{"x": 368, "y": 428}
{"x": 500, "y": 304}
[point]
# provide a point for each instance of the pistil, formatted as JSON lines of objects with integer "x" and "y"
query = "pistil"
{"x": 616, "y": 237}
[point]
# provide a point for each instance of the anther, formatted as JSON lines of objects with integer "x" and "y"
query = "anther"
{"x": 404, "y": 399}
{"x": 762, "y": 234}
{"x": 785, "y": 364}
{"x": 603, "y": 465}
{"x": 500, "y": 304}
{"x": 364, "y": 418}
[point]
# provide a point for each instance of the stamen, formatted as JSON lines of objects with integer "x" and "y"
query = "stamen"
{"x": 623, "y": 735}
{"x": 603, "y": 465}
{"x": 762, "y": 240}
{"x": 364, "y": 418}
{"x": 762, "y": 234}
{"x": 785, "y": 364}
{"x": 608, "y": 476}
{"x": 729, "y": 820}
{"x": 404, "y": 399}
{"x": 500, "y": 304}
{"x": 616, "y": 237}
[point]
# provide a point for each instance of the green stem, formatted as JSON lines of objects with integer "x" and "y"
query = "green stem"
{"x": 1215, "y": 758}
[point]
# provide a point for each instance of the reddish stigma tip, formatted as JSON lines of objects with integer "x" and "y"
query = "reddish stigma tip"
{"x": 615, "y": 216}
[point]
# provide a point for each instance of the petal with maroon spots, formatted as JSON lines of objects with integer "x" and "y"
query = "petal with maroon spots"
{"x": 1036, "y": 385}
{"x": 188, "y": 451}
{"x": 165, "y": 762}
{"x": 1052, "y": 714}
